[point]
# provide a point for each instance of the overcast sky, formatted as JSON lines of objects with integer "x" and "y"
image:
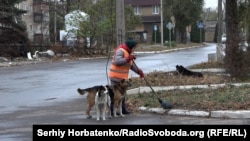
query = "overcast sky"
{"x": 211, "y": 3}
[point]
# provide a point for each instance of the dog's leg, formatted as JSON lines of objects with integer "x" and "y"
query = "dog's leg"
{"x": 109, "y": 112}
{"x": 109, "y": 107}
{"x": 97, "y": 112}
{"x": 91, "y": 101}
{"x": 104, "y": 111}
{"x": 120, "y": 109}
{"x": 91, "y": 104}
{"x": 88, "y": 112}
{"x": 114, "y": 111}
{"x": 115, "y": 105}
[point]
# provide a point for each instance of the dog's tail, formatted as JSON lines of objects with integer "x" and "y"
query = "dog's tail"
{"x": 81, "y": 91}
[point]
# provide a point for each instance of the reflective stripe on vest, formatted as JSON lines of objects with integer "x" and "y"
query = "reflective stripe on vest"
{"x": 120, "y": 72}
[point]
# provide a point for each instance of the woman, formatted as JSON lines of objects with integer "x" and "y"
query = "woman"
{"x": 122, "y": 62}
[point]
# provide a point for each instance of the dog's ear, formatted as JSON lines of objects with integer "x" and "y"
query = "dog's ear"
{"x": 109, "y": 87}
{"x": 110, "y": 90}
{"x": 178, "y": 67}
{"x": 100, "y": 90}
{"x": 129, "y": 80}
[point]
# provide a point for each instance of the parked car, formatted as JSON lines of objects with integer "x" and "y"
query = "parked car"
{"x": 243, "y": 45}
{"x": 223, "y": 38}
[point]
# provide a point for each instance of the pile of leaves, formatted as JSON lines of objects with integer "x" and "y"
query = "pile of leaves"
{"x": 160, "y": 78}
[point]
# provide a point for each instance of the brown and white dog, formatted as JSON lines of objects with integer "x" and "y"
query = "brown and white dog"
{"x": 116, "y": 93}
{"x": 102, "y": 103}
{"x": 99, "y": 95}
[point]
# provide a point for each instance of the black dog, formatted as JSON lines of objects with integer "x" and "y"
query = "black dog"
{"x": 183, "y": 71}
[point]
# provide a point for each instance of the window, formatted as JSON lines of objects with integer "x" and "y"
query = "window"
{"x": 38, "y": 38}
{"x": 45, "y": 17}
{"x": 137, "y": 10}
{"x": 24, "y": 7}
{"x": 31, "y": 28}
{"x": 30, "y": 10}
{"x": 37, "y": 17}
{"x": 155, "y": 9}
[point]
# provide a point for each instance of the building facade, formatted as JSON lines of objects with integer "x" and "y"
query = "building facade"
{"x": 37, "y": 20}
{"x": 150, "y": 12}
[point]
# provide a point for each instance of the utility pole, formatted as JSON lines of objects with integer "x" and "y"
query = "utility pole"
{"x": 219, "y": 48}
{"x": 161, "y": 24}
{"x": 55, "y": 25}
{"x": 120, "y": 22}
{"x": 219, "y": 21}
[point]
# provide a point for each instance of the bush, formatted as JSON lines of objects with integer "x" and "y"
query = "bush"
{"x": 173, "y": 44}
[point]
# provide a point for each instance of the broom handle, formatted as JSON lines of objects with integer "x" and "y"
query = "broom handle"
{"x": 151, "y": 88}
{"x": 146, "y": 81}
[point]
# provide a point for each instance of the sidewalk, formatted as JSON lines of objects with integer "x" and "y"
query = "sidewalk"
{"x": 164, "y": 51}
{"x": 4, "y": 62}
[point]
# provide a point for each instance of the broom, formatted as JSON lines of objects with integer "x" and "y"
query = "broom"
{"x": 164, "y": 104}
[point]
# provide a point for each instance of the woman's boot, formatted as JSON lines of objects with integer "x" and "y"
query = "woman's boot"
{"x": 124, "y": 108}
{"x": 112, "y": 108}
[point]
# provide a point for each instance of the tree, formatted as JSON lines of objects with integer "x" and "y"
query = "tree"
{"x": 186, "y": 12}
{"x": 14, "y": 40}
{"x": 197, "y": 34}
{"x": 57, "y": 13}
{"x": 235, "y": 63}
{"x": 101, "y": 23}
{"x": 210, "y": 14}
{"x": 167, "y": 34}
{"x": 13, "y": 30}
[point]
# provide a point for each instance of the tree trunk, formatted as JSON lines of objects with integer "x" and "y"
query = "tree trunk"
{"x": 234, "y": 61}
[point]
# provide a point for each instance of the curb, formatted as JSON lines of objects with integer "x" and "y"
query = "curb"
{"x": 165, "y": 51}
{"x": 238, "y": 114}
{"x": 166, "y": 88}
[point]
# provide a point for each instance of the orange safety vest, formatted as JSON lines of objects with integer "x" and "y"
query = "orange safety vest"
{"x": 120, "y": 72}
